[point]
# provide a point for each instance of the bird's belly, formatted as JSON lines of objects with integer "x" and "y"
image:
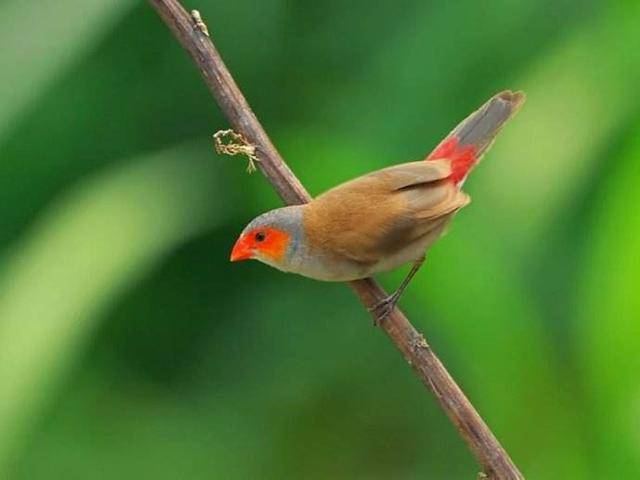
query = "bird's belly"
{"x": 332, "y": 269}
{"x": 410, "y": 253}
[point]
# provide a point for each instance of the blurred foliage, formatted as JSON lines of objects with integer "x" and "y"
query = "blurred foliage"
{"x": 131, "y": 348}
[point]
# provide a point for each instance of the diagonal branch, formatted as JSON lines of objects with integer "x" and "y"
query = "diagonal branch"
{"x": 191, "y": 32}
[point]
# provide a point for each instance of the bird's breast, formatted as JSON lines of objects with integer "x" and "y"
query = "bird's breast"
{"x": 326, "y": 266}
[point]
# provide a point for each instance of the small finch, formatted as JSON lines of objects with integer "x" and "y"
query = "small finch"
{"x": 381, "y": 220}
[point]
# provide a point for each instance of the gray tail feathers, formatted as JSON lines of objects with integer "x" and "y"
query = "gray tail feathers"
{"x": 482, "y": 126}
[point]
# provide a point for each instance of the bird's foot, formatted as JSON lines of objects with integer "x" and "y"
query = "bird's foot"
{"x": 383, "y": 308}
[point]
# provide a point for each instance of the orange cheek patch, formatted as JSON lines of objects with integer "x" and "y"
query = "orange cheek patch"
{"x": 275, "y": 243}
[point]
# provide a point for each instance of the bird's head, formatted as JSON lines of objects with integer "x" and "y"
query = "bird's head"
{"x": 270, "y": 238}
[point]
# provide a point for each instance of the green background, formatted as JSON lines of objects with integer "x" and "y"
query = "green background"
{"x": 131, "y": 348}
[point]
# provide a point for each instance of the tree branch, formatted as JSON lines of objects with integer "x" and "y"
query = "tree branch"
{"x": 194, "y": 37}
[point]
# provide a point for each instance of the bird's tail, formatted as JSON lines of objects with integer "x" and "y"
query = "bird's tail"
{"x": 466, "y": 144}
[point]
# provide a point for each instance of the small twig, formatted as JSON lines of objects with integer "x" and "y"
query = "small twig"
{"x": 494, "y": 460}
{"x": 228, "y": 142}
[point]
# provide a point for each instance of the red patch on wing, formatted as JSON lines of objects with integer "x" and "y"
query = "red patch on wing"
{"x": 462, "y": 158}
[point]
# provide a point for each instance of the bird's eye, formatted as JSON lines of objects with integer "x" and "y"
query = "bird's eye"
{"x": 260, "y": 236}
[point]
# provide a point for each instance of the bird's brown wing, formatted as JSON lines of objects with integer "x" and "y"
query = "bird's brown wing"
{"x": 378, "y": 214}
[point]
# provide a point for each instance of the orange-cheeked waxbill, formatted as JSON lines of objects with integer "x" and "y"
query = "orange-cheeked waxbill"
{"x": 381, "y": 220}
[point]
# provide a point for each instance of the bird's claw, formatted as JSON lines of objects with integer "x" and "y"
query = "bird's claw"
{"x": 383, "y": 308}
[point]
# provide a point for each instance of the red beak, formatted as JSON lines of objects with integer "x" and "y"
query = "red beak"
{"x": 241, "y": 251}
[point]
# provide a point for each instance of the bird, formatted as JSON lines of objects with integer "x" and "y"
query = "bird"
{"x": 381, "y": 220}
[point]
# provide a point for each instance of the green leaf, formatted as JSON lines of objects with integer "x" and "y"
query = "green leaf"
{"x": 41, "y": 39}
{"x": 77, "y": 259}
{"x": 608, "y": 323}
